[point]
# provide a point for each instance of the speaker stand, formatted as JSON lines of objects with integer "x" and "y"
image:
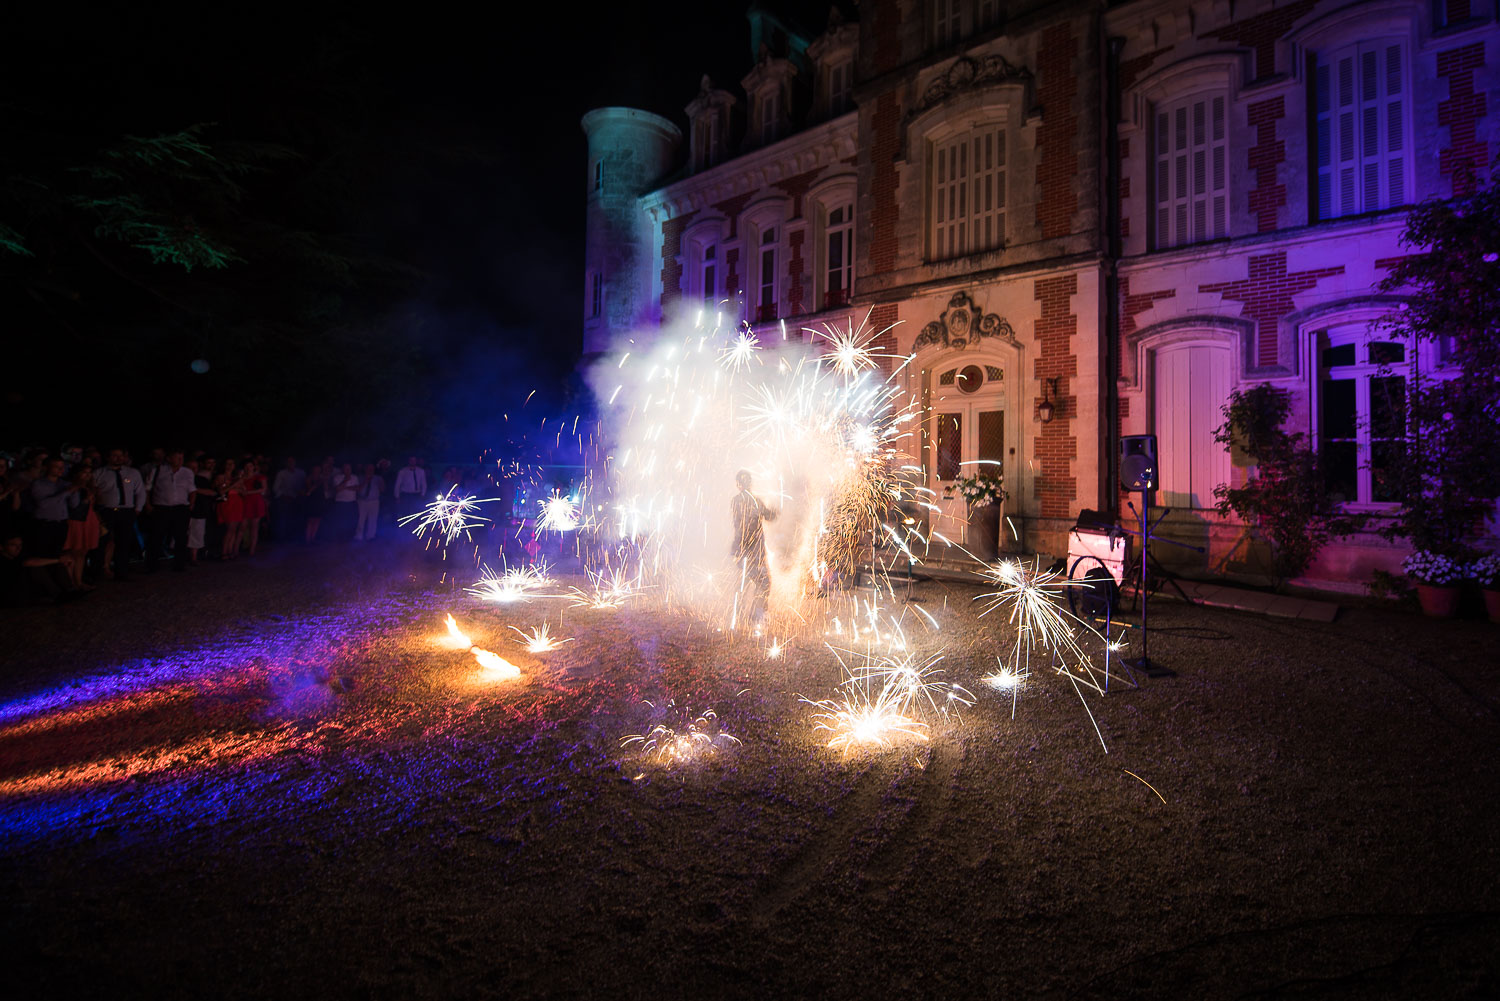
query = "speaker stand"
{"x": 1144, "y": 663}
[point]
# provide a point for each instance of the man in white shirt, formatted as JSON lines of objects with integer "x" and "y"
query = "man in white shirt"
{"x": 121, "y": 493}
{"x": 370, "y": 488}
{"x": 168, "y": 497}
{"x": 411, "y": 488}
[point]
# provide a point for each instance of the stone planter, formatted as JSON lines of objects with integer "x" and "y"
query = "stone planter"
{"x": 982, "y": 538}
{"x": 1492, "y": 604}
{"x": 1438, "y": 602}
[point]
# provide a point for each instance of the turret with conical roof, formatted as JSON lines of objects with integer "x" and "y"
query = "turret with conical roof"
{"x": 630, "y": 151}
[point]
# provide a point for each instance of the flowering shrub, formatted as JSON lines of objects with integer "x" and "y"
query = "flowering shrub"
{"x": 1431, "y": 568}
{"x": 1486, "y": 570}
{"x": 980, "y": 489}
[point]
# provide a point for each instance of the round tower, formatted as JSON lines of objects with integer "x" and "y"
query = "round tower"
{"x": 630, "y": 151}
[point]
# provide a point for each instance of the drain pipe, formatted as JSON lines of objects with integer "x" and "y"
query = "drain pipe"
{"x": 1113, "y": 46}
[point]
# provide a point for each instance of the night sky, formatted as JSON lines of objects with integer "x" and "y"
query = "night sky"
{"x": 446, "y": 150}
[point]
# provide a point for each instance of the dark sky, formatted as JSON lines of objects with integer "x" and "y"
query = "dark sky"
{"x": 455, "y": 140}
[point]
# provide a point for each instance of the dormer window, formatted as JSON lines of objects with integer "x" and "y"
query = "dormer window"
{"x": 705, "y": 140}
{"x": 840, "y": 78}
{"x": 770, "y": 116}
{"x": 948, "y": 21}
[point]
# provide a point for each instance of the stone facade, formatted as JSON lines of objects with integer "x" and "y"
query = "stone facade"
{"x": 1126, "y": 210}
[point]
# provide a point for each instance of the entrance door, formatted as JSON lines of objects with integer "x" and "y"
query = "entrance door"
{"x": 968, "y": 435}
{"x": 1190, "y": 384}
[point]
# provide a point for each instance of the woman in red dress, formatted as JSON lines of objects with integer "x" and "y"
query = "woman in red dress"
{"x": 230, "y": 509}
{"x": 253, "y": 489}
{"x": 83, "y": 527}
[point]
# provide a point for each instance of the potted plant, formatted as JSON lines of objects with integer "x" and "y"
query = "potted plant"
{"x": 1486, "y": 572}
{"x": 984, "y": 493}
{"x": 1437, "y": 578}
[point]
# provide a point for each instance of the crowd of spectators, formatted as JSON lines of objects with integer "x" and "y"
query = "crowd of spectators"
{"x": 74, "y": 518}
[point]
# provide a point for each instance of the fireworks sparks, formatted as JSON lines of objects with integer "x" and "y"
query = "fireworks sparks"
{"x": 1004, "y": 680}
{"x": 915, "y": 684}
{"x": 741, "y": 351}
{"x": 855, "y": 721}
{"x": 559, "y": 514}
{"x": 447, "y": 517}
{"x": 775, "y": 650}
{"x": 512, "y": 584}
{"x": 607, "y": 590}
{"x": 540, "y": 639}
{"x": 683, "y": 737}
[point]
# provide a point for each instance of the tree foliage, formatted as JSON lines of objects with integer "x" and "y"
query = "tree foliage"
{"x": 1286, "y": 499}
{"x": 1450, "y": 477}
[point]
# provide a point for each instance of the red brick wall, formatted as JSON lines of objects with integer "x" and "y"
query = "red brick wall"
{"x": 797, "y": 186}
{"x": 731, "y": 208}
{"x": 1057, "y": 160}
{"x": 1267, "y": 296}
{"x": 1268, "y": 152}
{"x": 794, "y": 272}
{"x": 885, "y": 142}
{"x": 883, "y": 318}
{"x": 1132, "y": 306}
{"x": 671, "y": 246}
{"x": 1261, "y": 32}
{"x": 1056, "y": 445}
{"x": 1131, "y": 69}
{"x": 1466, "y": 155}
{"x": 731, "y": 272}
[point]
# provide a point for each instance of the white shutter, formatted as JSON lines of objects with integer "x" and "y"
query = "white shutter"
{"x": 1361, "y": 132}
{"x": 1192, "y": 186}
{"x": 1190, "y": 386}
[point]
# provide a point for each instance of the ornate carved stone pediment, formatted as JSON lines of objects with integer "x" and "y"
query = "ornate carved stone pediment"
{"x": 963, "y": 325}
{"x": 967, "y": 73}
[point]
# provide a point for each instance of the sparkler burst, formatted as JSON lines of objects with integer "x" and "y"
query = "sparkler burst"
{"x": 683, "y": 737}
{"x": 540, "y": 639}
{"x": 855, "y": 722}
{"x": 607, "y": 589}
{"x": 828, "y": 439}
{"x": 559, "y": 514}
{"x": 512, "y": 584}
{"x": 449, "y": 516}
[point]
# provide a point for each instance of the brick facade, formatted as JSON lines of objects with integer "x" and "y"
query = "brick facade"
{"x": 1266, "y": 295}
{"x": 1057, "y": 87}
{"x": 1268, "y": 153}
{"x": 1251, "y": 288}
{"x": 1056, "y": 446}
{"x": 1465, "y": 156}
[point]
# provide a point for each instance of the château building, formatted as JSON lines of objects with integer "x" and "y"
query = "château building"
{"x": 1083, "y": 220}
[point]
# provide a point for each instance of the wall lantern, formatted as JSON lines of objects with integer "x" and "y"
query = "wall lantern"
{"x": 1045, "y": 409}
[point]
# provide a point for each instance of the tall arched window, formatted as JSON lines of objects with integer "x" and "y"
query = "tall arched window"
{"x": 838, "y": 256}
{"x": 1361, "y": 411}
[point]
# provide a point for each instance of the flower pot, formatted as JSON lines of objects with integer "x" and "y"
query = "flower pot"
{"x": 1492, "y": 604}
{"x": 1438, "y": 602}
{"x": 982, "y": 539}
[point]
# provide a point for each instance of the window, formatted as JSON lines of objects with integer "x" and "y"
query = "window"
{"x": 770, "y": 116}
{"x": 968, "y": 193}
{"x": 840, "y": 259}
{"x": 710, "y": 278}
{"x": 1361, "y": 413}
{"x": 1361, "y": 129}
{"x": 840, "y": 80}
{"x": 950, "y": 434}
{"x": 599, "y": 175}
{"x": 989, "y": 13}
{"x": 596, "y": 294}
{"x": 947, "y": 21}
{"x": 767, "y": 300}
{"x": 1192, "y": 195}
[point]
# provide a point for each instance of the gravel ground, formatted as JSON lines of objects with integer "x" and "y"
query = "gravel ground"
{"x": 273, "y": 779}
